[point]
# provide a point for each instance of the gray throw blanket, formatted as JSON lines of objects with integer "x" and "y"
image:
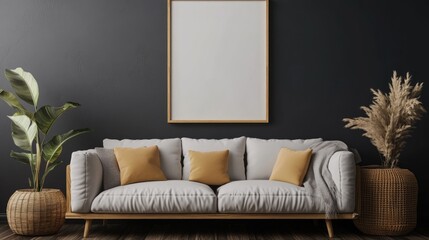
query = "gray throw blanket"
{"x": 318, "y": 181}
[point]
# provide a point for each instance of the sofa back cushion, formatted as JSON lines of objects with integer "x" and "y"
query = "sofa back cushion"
{"x": 236, "y": 147}
{"x": 111, "y": 173}
{"x": 169, "y": 152}
{"x": 262, "y": 154}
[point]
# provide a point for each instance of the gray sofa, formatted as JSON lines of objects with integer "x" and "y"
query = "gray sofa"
{"x": 94, "y": 190}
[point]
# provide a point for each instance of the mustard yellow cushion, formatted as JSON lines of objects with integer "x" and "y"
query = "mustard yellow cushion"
{"x": 291, "y": 166}
{"x": 139, "y": 164}
{"x": 209, "y": 167}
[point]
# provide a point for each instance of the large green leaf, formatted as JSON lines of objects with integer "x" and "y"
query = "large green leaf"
{"x": 12, "y": 101}
{"x": 55, "y": 156}
{"x": 47, "y": 115}
{"x": 24, "y": 131}
{"x": 53, "y": 148}
{"x": 24, "y": 84}
{"x": 26, "y": 158}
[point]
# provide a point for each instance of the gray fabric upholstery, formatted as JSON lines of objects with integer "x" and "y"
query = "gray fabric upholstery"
{"x": 111, "y": 173}
{"x": 262, "y": 154}
{"x": 173, "y": 196}
{"x": 265, "y": 196}
{"x": 86, "y": 179}
{"x": 169, "y": 152}
{"x": 180, "y": 196}
{"x": 236, "y": 147}
{"x": 343, "y": 169}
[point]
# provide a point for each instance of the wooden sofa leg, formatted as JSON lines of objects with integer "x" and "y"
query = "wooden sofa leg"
{"x": 330, "y": 228}
{"x": 88, "y": 223}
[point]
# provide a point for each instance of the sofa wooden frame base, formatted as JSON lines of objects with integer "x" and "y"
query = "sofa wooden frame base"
{"x": 89, "y": 217}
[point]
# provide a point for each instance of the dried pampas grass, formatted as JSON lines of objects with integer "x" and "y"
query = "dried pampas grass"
{"x": 391, "y": 117}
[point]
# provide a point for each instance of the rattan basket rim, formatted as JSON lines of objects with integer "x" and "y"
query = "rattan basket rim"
{"x": 379, "y": 167}
{"x": 45, "y": 190}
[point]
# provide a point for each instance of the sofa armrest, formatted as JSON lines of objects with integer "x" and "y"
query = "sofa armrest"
{"x": 86, "y": 178}
{"x": 343, "y": 170}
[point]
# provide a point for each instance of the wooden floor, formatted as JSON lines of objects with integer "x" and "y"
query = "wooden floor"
{"x": 213, "y": 229}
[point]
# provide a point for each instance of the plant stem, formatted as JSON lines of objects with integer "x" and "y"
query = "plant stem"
{"x": 31, "y": 167}
{"x": 45, "y": 173}
{"x": 38, "y": 157}
{"x": 394, "y": 163}
{"x": 38, "y": 161}
{"x": 47, "y": 163}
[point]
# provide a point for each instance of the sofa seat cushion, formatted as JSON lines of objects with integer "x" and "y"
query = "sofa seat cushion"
{"x": 265, "y": 196}
{"x": 173, "y": 196}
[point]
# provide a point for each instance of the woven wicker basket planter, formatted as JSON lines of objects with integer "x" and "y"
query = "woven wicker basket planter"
{"x": 388, "y": 201}
{"x": 36, "y": 213}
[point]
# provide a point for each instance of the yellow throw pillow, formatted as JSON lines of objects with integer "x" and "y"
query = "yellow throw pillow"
{"x": 209, "y": 167}
{"x": 291, "y": 166}
{"x": 139, "y": 164}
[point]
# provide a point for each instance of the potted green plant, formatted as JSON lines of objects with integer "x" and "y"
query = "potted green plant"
{"x": 35, "y": 211}
{"x": 389, "y": 193}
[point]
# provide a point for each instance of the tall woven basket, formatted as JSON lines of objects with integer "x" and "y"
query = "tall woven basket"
{"x": 36, "y": 213}
{"x": 388, "y": 201}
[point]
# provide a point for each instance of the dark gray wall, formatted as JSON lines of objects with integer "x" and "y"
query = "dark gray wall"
{"x": 110, "y": 56}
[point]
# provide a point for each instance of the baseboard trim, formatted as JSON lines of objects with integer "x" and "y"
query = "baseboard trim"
{"x": 3, "y": 218}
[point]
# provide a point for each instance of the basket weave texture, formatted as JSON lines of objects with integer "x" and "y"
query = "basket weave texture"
{"x": 388, "y": 201}
{"x": 36, "y": 213}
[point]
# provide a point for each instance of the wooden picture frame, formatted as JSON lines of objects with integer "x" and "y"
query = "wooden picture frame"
{"x": 217, "y": 61}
